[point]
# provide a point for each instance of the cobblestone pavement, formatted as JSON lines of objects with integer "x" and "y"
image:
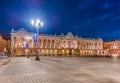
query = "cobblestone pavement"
{"x": 4, "y": 60}
{"x": 3, "y": 57}
{"x": 61, "y": 70}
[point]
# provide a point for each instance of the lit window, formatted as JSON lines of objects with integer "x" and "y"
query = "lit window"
{"x": 55, "y": 50}
{"x": 42, "y": 51}
{"x": 62, "y": 51}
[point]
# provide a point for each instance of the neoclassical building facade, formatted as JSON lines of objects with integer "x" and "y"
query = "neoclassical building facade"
{"x": 22, "y": 43}
{"x": 113, "y": 48}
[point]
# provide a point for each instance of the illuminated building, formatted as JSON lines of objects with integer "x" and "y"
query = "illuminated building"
{"x": 113, "y": 48}
{"x": 3, "y": 45}
{"x": 22, "y": 43}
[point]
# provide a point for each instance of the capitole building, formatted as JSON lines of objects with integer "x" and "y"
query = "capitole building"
{"x": 22, "y": 43}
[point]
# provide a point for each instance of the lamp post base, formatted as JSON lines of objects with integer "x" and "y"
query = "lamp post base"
{"x": 37, "y": 58}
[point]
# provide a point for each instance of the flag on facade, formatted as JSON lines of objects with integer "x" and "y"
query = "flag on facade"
{"x": 27, "y": 45}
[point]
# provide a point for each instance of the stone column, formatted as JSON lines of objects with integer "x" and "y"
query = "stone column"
{"x": 12, "y": 42}
{"x": 60, "y": 44}
{"x": 41, "y": 43}
{"x": 55, "y": 44}
{"x": 46, "y": 44}
{"x": 12, "y": 46}
{"x": 50, "y": 44}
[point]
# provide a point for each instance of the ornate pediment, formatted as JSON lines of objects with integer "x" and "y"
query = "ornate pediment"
{"x": 22, "y": 30}
{"x": 69, "y": 34}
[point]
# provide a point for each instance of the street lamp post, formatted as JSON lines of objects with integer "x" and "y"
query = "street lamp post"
{"x": 37, "y": 24}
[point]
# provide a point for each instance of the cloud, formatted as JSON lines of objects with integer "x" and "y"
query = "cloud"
{"x": 110, "y": 35}
{"x": 107, "y": 5}
{"x": 84, "y": 4}
{"x": 98, "y": 19}
{"x": 116, "y": 18}
{"x": 105, "y": 16}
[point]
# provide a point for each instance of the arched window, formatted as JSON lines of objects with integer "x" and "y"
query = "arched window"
{"x": 15, "y": 38}
{"x": 95, "y": 44}
{"x": 39, "y": 40}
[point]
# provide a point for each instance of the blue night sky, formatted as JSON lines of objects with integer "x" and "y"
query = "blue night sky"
{"x": 86, "y": 18}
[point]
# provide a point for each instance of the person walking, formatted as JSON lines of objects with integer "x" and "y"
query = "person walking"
{"x": 8, "y": 53}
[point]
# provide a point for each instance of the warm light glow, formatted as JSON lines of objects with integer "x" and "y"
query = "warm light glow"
{"x": 63, "y": 51}
{"x": 51, "y": 50}
{"x": 55, "y": 51}
{"x": 67, "y": 51}
{"x": 47, "y": 51}
{"x": 42, "y": 51}
{"x": 114, "y": 47}
{"x": 115, "y": 55}
{"x": 72, "y": 50}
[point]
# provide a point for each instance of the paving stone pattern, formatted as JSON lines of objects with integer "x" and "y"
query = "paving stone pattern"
{"x": 61, "y": 70}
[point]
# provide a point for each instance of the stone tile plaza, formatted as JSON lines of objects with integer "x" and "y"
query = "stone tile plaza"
{"x": 61, "y": 70}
